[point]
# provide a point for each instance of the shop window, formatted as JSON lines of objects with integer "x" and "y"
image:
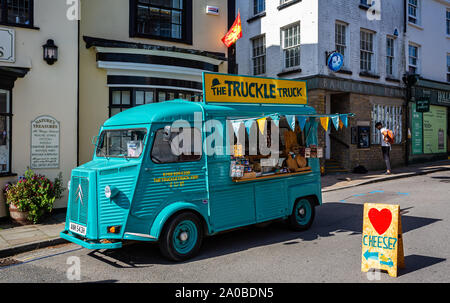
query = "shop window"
{"x": 291, "y": 45}
{"x": 259, "y": 55}
{"x": 124, "y": 98}
{"x": 17, "y": 12}
{"x": 5, "y": 132}
{"x": 391, "y": 118}
{"x": 366, "y": 51}
{"x": 162, "y": 19}
{"x": 173, "y": 144}
{"x": 254, "y": 155}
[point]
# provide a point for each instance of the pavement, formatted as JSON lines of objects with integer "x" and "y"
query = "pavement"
{"x": 18, "y": 239}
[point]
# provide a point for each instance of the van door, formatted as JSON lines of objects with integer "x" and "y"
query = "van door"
{"x": 167, "y": 177}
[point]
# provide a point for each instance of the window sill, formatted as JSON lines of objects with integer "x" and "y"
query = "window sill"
{"x": 256, "y": 17}
{"x": 137, "y": 35}
{"x": 415, "y": 25}
{"x": 287, "y": 4}
{"x": 345, "y": 71}
{"x": 289, "y": 71}
{"x": 392, "y": 79}
{"x": 364, "y": 6}
{"x": 19, "y": 25}
{"x": 369, "y": 75}
{"x": 2, "y": 175}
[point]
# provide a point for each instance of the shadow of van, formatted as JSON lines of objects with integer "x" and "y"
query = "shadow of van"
{"x": 331, "y": 218}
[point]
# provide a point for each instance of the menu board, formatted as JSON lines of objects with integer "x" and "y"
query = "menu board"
{"x": 45, "y": 142}
{"x": 416, "y": 131}
{"x": 435, "y": 130}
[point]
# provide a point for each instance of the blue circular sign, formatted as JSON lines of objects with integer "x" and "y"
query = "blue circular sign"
{"x": 335, "y": 61}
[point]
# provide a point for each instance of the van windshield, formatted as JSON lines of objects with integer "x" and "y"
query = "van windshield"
{"x": 127, "y": 143}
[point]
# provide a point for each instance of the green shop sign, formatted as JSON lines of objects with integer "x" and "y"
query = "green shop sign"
{"x": 435, "y": 130}
{"x": 423, "y": 105}
{"x": 416, "y": 131}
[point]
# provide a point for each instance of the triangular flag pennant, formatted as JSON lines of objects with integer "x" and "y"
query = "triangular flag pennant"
{"x": 335, "y": 120}
{"x": 248, "y": 125}
{"x": 275, "y": 119}
{"x": 301, "y": 122}
{"x": 341, "y": 125}
{"x": 236, "y": 126}
{"x": 325, "y": 121}
{"x": 344, "y": 119}
{"x": 291, "y": 121}
{"x": 262, "y": 124}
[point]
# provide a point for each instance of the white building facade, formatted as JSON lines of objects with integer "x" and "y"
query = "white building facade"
{"x": 293, "y": 38}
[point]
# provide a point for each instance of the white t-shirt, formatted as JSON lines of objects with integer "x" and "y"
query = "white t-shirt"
{"x": 384, "y": 143}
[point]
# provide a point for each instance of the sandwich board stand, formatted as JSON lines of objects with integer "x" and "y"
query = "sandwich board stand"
{"x": 382, "y": 241}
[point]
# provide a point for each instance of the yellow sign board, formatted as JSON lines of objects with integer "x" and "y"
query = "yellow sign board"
{"x": 225, "y": 88}
{"x": 382, "y": 242}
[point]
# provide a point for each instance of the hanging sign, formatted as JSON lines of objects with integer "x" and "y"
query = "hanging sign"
{"x": 45, "y": 142}
{"x": 422, "y": 105}
{"x": 7, "y": 41}
{"x": 382, "y": 242}
{"x": 225, "y": 88}
{"x": 335, "y": 61}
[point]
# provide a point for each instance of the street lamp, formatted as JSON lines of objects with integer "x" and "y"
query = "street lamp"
{"x": 410, "y": 80}
{"x": 50, "y": 52}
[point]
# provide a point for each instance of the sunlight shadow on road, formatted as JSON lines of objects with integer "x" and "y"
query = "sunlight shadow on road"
{"x": 417, "y": 262}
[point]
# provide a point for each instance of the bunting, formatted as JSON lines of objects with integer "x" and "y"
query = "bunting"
{"x": 262, "y": 124}
{"x": 335, "y": 120}
{"x": 325, "y": 121}
{"x": 301, "y": 122}
{"x": 291, "y": 121}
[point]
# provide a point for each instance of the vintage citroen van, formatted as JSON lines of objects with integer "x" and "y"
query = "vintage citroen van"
{"x": 136, "y": 189}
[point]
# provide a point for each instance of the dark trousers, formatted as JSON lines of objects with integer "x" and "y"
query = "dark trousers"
{"x": 386, "y": 157}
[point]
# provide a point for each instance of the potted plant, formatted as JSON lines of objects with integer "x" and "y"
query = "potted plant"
{"x": 32, "y": 196}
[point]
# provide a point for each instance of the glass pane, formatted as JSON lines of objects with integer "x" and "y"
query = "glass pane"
{"x": 116, "y": 97}
{"x": 4, "y": 144}
{"x": 115, "y": 111}
{"x": 148, "y": 97}
{"x": 139, "y": 97}
{"x": 161, "y": 96}
{"x": 127, "y": 143}
{"x": 126, "y": 97}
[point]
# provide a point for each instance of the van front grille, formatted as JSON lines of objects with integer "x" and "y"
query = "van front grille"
{"x": 79, "y": 189}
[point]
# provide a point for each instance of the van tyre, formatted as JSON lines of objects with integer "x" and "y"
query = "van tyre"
{"x": 181, "y": 237}
{"x": 302, "y": 215}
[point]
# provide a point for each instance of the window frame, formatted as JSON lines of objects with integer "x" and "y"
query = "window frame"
{"x": 8, "y": 117}
{"x": 448, "y": 67}
{"x": 416, "y": 8}
{"x": 284, "y": 30}
{"x": 4, "y": 16}
{"x": 121, "y": 129}
{"x": 259, "y": 56}
{"x": 186, "y": 24}
{"x": 447, "y": 18}
{"x": 153, "y": 145}
{"x": 259, "y": 7}
{"x": 339, "y": 45}
{"x": 390, "y": 57}
{"x": 417, "y": 58}
{"x": 370, "y": 51}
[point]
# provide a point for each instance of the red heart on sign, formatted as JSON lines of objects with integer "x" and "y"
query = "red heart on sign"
{"x": 381, "y": 220}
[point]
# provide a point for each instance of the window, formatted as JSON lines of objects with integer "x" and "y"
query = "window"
{"x": 365, "y": 2}
{"x": 448, "y": 67}
{"x": 413, "y": 9}
{"x": 291, "y": 45}
{"x": 391, "y": 117}
{"x": 413, "y": 59}
{"x": 17, "y": 12}
{"x": 5, "y": 131}
{"x": 366, "y": 51}
{"x": 259, "y": 6}
{"x": 123, "y": 143}
{"x": 340, "y": 39}
{"x": 389, "y": 56}
{"x": 259, "y": 55}
{"x": 177, "y": 145}
{"x": 162, "y": 19}
{"x": 124, "y": 98}
{"x": 448, "y": 22}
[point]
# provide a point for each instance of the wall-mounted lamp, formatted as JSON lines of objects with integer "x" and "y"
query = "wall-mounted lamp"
{"x": 50, "y": 52}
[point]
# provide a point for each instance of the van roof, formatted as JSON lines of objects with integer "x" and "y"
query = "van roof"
{"x": 178, "y": 109}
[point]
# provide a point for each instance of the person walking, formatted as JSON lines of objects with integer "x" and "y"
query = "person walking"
{"x": 386, "y": 140}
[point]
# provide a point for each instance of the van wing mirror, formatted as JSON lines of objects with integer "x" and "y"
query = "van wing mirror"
{"x": 94, "y": 140}
{"x": 167, "y": 133}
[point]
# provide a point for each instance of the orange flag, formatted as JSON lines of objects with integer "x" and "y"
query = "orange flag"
{"x": 234, "y": 33}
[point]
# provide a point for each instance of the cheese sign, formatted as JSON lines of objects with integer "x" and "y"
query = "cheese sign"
{"x": 225, "y": 88}
{"x": 382, "y": 243}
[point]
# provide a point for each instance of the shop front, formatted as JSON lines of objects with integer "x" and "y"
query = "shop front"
{"x": 429, "y": 112}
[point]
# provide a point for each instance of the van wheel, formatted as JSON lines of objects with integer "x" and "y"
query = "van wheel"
{"x": 181, "y": 237}
{"x": 302, "y": 215}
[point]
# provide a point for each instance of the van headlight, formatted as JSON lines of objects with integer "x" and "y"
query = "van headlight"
{"x": 110, "y": 191}
{"x": 68, "y": 185}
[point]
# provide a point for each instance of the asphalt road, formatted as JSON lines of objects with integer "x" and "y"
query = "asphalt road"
{"x": 329, "y": 252}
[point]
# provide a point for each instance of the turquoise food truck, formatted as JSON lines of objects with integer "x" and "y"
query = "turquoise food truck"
{"x": 137, "y": 188}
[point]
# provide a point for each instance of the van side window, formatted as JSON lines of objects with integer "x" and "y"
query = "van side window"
{"x": 180, "y": 145}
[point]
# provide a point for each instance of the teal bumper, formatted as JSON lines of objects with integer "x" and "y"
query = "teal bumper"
{"x": 89, "y": 244}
